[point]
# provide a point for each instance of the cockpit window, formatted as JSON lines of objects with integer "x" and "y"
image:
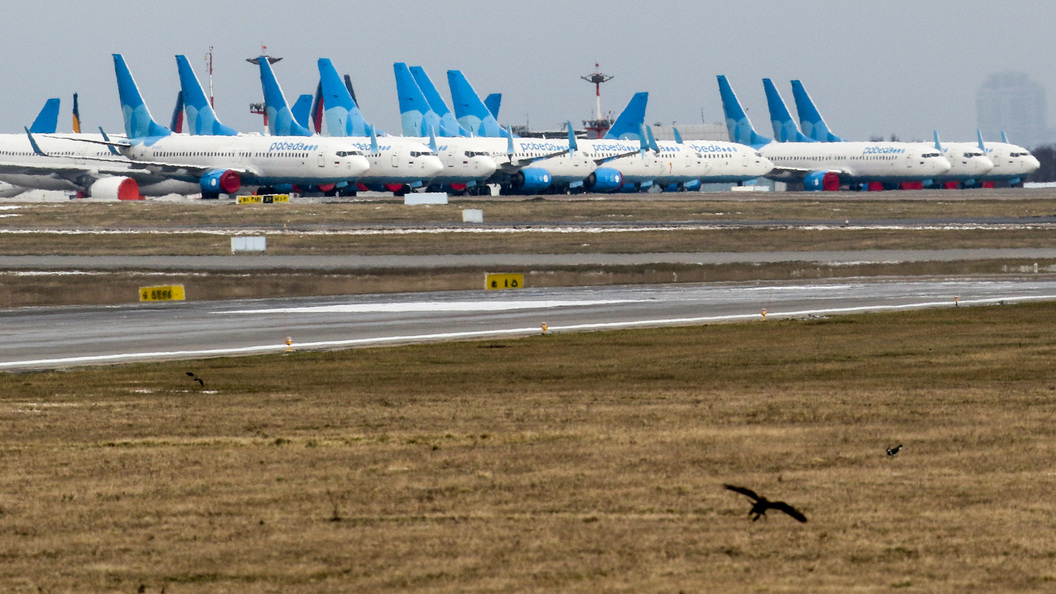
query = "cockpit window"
{"x": 348, "y": 153}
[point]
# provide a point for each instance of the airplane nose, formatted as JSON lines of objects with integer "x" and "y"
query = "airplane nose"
{"x": 942, "y": 165}
{"x": 432, "y": 166}
{"x": 766, "y": 165}
{"x": 486, "y": 166}
{"x": 1034, "y": 163}
{"x": 981, "y": 165}
{"x": 358, "y": 165}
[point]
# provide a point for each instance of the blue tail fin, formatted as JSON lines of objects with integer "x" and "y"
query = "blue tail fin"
{"x": 340, "y": 111}
{"x": 1004, "y": 137}
{"x": 138, "y": 122}
{"x": 201, "y": 120}
{"x": 449, "y": 126}
{"x": 418, "y": 118}
{"x": 938, "y": 145}
{"x": 979, "y": 136}
{"x": 280, "y": 118}
{"x": 469, "y": 109}
{"x": 737, "y": 123}
{"x": 493, "y": 103}
{"x": 302, "y": 110}
{"x": 810, "y": 119}
{"x": 785, "y": 129}
{"x": 176, "y": 123}
{"x": 629, "y": 123}
{"x": 47, "y": 121}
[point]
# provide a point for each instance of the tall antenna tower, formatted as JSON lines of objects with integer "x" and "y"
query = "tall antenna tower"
{"x": 601, "y": 124}
{"x": 209, "y": 67}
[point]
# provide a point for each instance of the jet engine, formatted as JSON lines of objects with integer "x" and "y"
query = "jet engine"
{"x": 822, "y": 181}
{"x": 115, "y": 188}
{"x": 220, "y": 180}
{"x": 604, "y": 180}
{"x": 531, "y": 179}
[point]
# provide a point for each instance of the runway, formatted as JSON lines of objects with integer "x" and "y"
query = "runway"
{"x": 47, "y": 338}
{"x": 360, "y": 262}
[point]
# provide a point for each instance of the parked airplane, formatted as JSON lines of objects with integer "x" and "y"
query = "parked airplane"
{"x": 449, "y": 126}
{"x": 827, "y": 166}
{"x": 526, "y": 165}
{"x": 70, "y": 165}
{"x": 224, "y": 163}
{"x": 967, "y": 162}
{"x": 465, "y": 162}
{"x": 395, "y": 166}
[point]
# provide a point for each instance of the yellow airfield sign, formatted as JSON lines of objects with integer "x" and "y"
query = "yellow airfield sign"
{"x": 163, "y": 293}
{"x": 503, "y": 281}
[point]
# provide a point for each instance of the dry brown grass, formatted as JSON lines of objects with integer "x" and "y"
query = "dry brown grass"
{"x": 589, "y": 462}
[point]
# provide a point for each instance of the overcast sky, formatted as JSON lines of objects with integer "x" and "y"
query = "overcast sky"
{"x": 874, "y": 68}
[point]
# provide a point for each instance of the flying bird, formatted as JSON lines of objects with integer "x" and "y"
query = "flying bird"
{"x": 762, "y": 504}
{"x": 895, "y": 450}
{"x": 195, "y": 378}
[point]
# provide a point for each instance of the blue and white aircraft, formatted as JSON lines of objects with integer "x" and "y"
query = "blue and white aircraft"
{"x": 395, "y": 166}
{"x": 466, "y": 165}
{"x": 224, "y": 163}
{"x": 525, "y": 165}
{"x": 827, "y": 166}
{"x": 43, "y": 160}
{"x": 968, "y": 163}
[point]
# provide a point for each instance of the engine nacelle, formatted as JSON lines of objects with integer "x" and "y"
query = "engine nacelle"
{"x": 221, "y": 180}
{"x": 604, "y": 179}
{"x": 115, "y": 188}
{"x": 822, "y": 181}
{"x": 531, "y": 179}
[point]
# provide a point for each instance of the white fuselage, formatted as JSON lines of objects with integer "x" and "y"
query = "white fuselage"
{"x": 398, "y": 161}
{"x": 261, "y": 160}
{"x": 967, "y": 162}
{"x": 857, "y": 161}
{"x": 725, "y": 162}
{"x": 639, "y": 168}
{"x": 72, "y": 165}
{"x": 1011, "y": 162}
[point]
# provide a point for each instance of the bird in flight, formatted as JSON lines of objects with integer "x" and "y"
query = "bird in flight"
{"x": 201, "y": 383}
{"x": 762, "y": 504}
{"x": 895, "y": 450}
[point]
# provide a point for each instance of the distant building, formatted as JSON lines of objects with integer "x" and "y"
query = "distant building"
{"x": 1012, "y": 103}
{"x": 691, "y": 131}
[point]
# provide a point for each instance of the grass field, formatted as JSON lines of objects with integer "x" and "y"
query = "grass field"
{"x": 588, "y": 462}
{"x": 381, "y": 227}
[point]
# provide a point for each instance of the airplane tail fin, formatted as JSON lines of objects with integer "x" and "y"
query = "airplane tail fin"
{"x": 737, "y": 123}
{"x": 938, "y": 145}
{"x": 138, "y": 121}
{"x": 493, "y": 102}
{"x": 810, "y": 119}
{"x": 47, "y": 121}
{"x": 469, "y": 109}
{"x": 201, "y": 119}
{"x": 1004, "y": 137}
{"x": 76, "y": 116}
{"x": 280, "y": 118}
{"x": 339, "y": 108}
{"x": 176, "y": 122}
{"x": 417, "y": 117}
{"x": 316, "y": 114}
{"x": 629, "y": 123}
{"x": 979, "y": 136}
{"x": 302, "y": 110}
{"x": 785, "y": 129}
{"x": 449, "y": 126}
